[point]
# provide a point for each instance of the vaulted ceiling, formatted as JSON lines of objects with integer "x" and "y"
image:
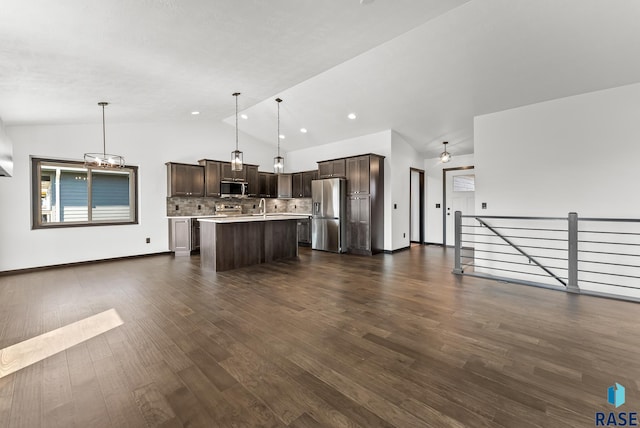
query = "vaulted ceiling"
{"x": 424, "y": 68}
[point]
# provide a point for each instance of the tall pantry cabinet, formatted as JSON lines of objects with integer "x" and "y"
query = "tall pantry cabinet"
{"x": 365, "y": 204}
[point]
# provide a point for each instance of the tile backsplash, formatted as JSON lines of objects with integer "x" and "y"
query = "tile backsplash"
{"x": 206, "y": 206}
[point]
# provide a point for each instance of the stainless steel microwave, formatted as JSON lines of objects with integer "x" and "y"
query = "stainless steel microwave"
{"x": 233, "y": 189}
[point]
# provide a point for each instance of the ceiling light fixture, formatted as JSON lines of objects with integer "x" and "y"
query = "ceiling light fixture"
{"x": 352, "y": 116}
{"x": 445, "y": 156}
{"x": 303, "y": 130}
{"x": 195, "y": 113}
{"x": 236, "y": 155}
{"x": 278, "y": 161}
{"x": 244, "y": 116}
{"x": 103, "y": 160}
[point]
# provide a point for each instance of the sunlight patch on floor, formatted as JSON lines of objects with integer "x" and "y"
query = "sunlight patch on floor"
{"x": 30, "y": 351}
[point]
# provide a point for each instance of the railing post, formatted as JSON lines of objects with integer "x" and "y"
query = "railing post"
{"x": 572, "y": 283}
{"x": 457, "y": 269}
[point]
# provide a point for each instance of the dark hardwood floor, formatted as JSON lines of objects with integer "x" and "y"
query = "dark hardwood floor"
{"x": 322, "y": 340}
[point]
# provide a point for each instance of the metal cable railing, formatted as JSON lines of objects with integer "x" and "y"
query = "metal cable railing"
{"x": 599, "y": 256}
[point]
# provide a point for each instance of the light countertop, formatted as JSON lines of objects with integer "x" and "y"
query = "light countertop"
{"x": 198, "y": 216}
{"x": 251, "y": 218}
{"x": 301, "y": 215}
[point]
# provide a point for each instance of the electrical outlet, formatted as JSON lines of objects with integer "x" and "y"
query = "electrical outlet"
{"x": 404, "y": 235}
{"x": 275, "y": 207}
{"x": 177, "y": 208}
{"x": 484, "y": 205}
{"x": 199, "y": 207}
{"x": 254, "y": 206}
{"x": 395, "y": 206}
{"x": 148, "y": 240}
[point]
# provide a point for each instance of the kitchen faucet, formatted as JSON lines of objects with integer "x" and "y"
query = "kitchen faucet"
{"x": 263, "y": 207}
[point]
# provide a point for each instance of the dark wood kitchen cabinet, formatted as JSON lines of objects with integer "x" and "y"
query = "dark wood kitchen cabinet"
{"x": 332, "y": 168}
{"x": 185, "y": 179}
{"x": 226, "y": 173}
{"x": 212, "y": 177}
{"x": 307, "y": 177}
{"x": 301, "y": 183}
{"x": 229, "y": 175}
{"x": 365, "y": 204}
{"x": 358, "y": 175}
{"x": 253, "y": 183}
{"x": 296, "y": 185}
{"x": 268, "y": 185}
{"x": 359, "y": 224}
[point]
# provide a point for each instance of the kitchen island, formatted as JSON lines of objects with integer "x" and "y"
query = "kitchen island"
{"x": 232, "y": 242}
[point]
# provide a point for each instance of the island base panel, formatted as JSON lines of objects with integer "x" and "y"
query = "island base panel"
{"x": 226, "y": 246}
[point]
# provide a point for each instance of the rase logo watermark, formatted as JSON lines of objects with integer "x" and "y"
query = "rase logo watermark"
{"x": 616, "y": 397}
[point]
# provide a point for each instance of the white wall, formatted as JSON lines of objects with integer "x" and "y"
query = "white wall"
{"x": 433, "y": 176}
{"x": 148, "y": 145}
{"x": 403, "y": 158}
{"x": 572, "y": 154}
{"x": 6, "y": 151}
{"x": 306, "y": 159}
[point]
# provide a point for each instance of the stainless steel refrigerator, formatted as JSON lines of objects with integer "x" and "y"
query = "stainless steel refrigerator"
{"x": 329, "y": 215}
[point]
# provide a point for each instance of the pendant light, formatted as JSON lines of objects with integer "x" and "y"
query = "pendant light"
{"x": 445, "y": 156}
{"x": 103, "y": 160}
{"x": 278, "y": 161}
{"x": 236, "y": 155}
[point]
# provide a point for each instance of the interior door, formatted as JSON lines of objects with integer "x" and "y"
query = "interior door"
{"x": 460, "y": 187}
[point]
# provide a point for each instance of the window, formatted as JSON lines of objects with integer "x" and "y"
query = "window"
{"x": 464, "y": 183}
{"x": 66, "y": 193}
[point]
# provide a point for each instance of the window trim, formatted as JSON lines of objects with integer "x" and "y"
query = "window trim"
{"x": 36, "y": 217}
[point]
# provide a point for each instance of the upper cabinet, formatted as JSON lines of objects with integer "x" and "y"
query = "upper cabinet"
{"x": 307, "y": 177}
{"x": 332, "y": 168}
{"x": 301, "y": 183}
{"x": 226, "y": 174}
{"x": 253, "y": 183}
{"x": 268, "y": 185}
{"x": 296, "y": 185}
{"x": 203, "y": 180}
{"x": 229, "y": 175}
{"x": 358, "y": 175}
{"x": 185, "y": 179}
{"x": 211, "y": 177}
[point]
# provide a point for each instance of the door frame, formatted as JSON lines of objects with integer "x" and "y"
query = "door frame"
{"x": 444, "y": 199}
{"x": 421, "y": 198}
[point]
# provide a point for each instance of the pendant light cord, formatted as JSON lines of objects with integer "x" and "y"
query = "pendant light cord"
{"x": 278, "y": 100}
{"x": 236, "y": 95}
{"x": 104, "y": 133}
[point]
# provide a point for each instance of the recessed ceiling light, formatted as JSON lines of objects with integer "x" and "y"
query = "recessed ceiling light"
{"x": 352, "y": 116}
{"x": 195, "y": 112}
{"x": 282, "y": 137}
{"x": 244, "y": 116}
{"x": 303, "y": 130}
